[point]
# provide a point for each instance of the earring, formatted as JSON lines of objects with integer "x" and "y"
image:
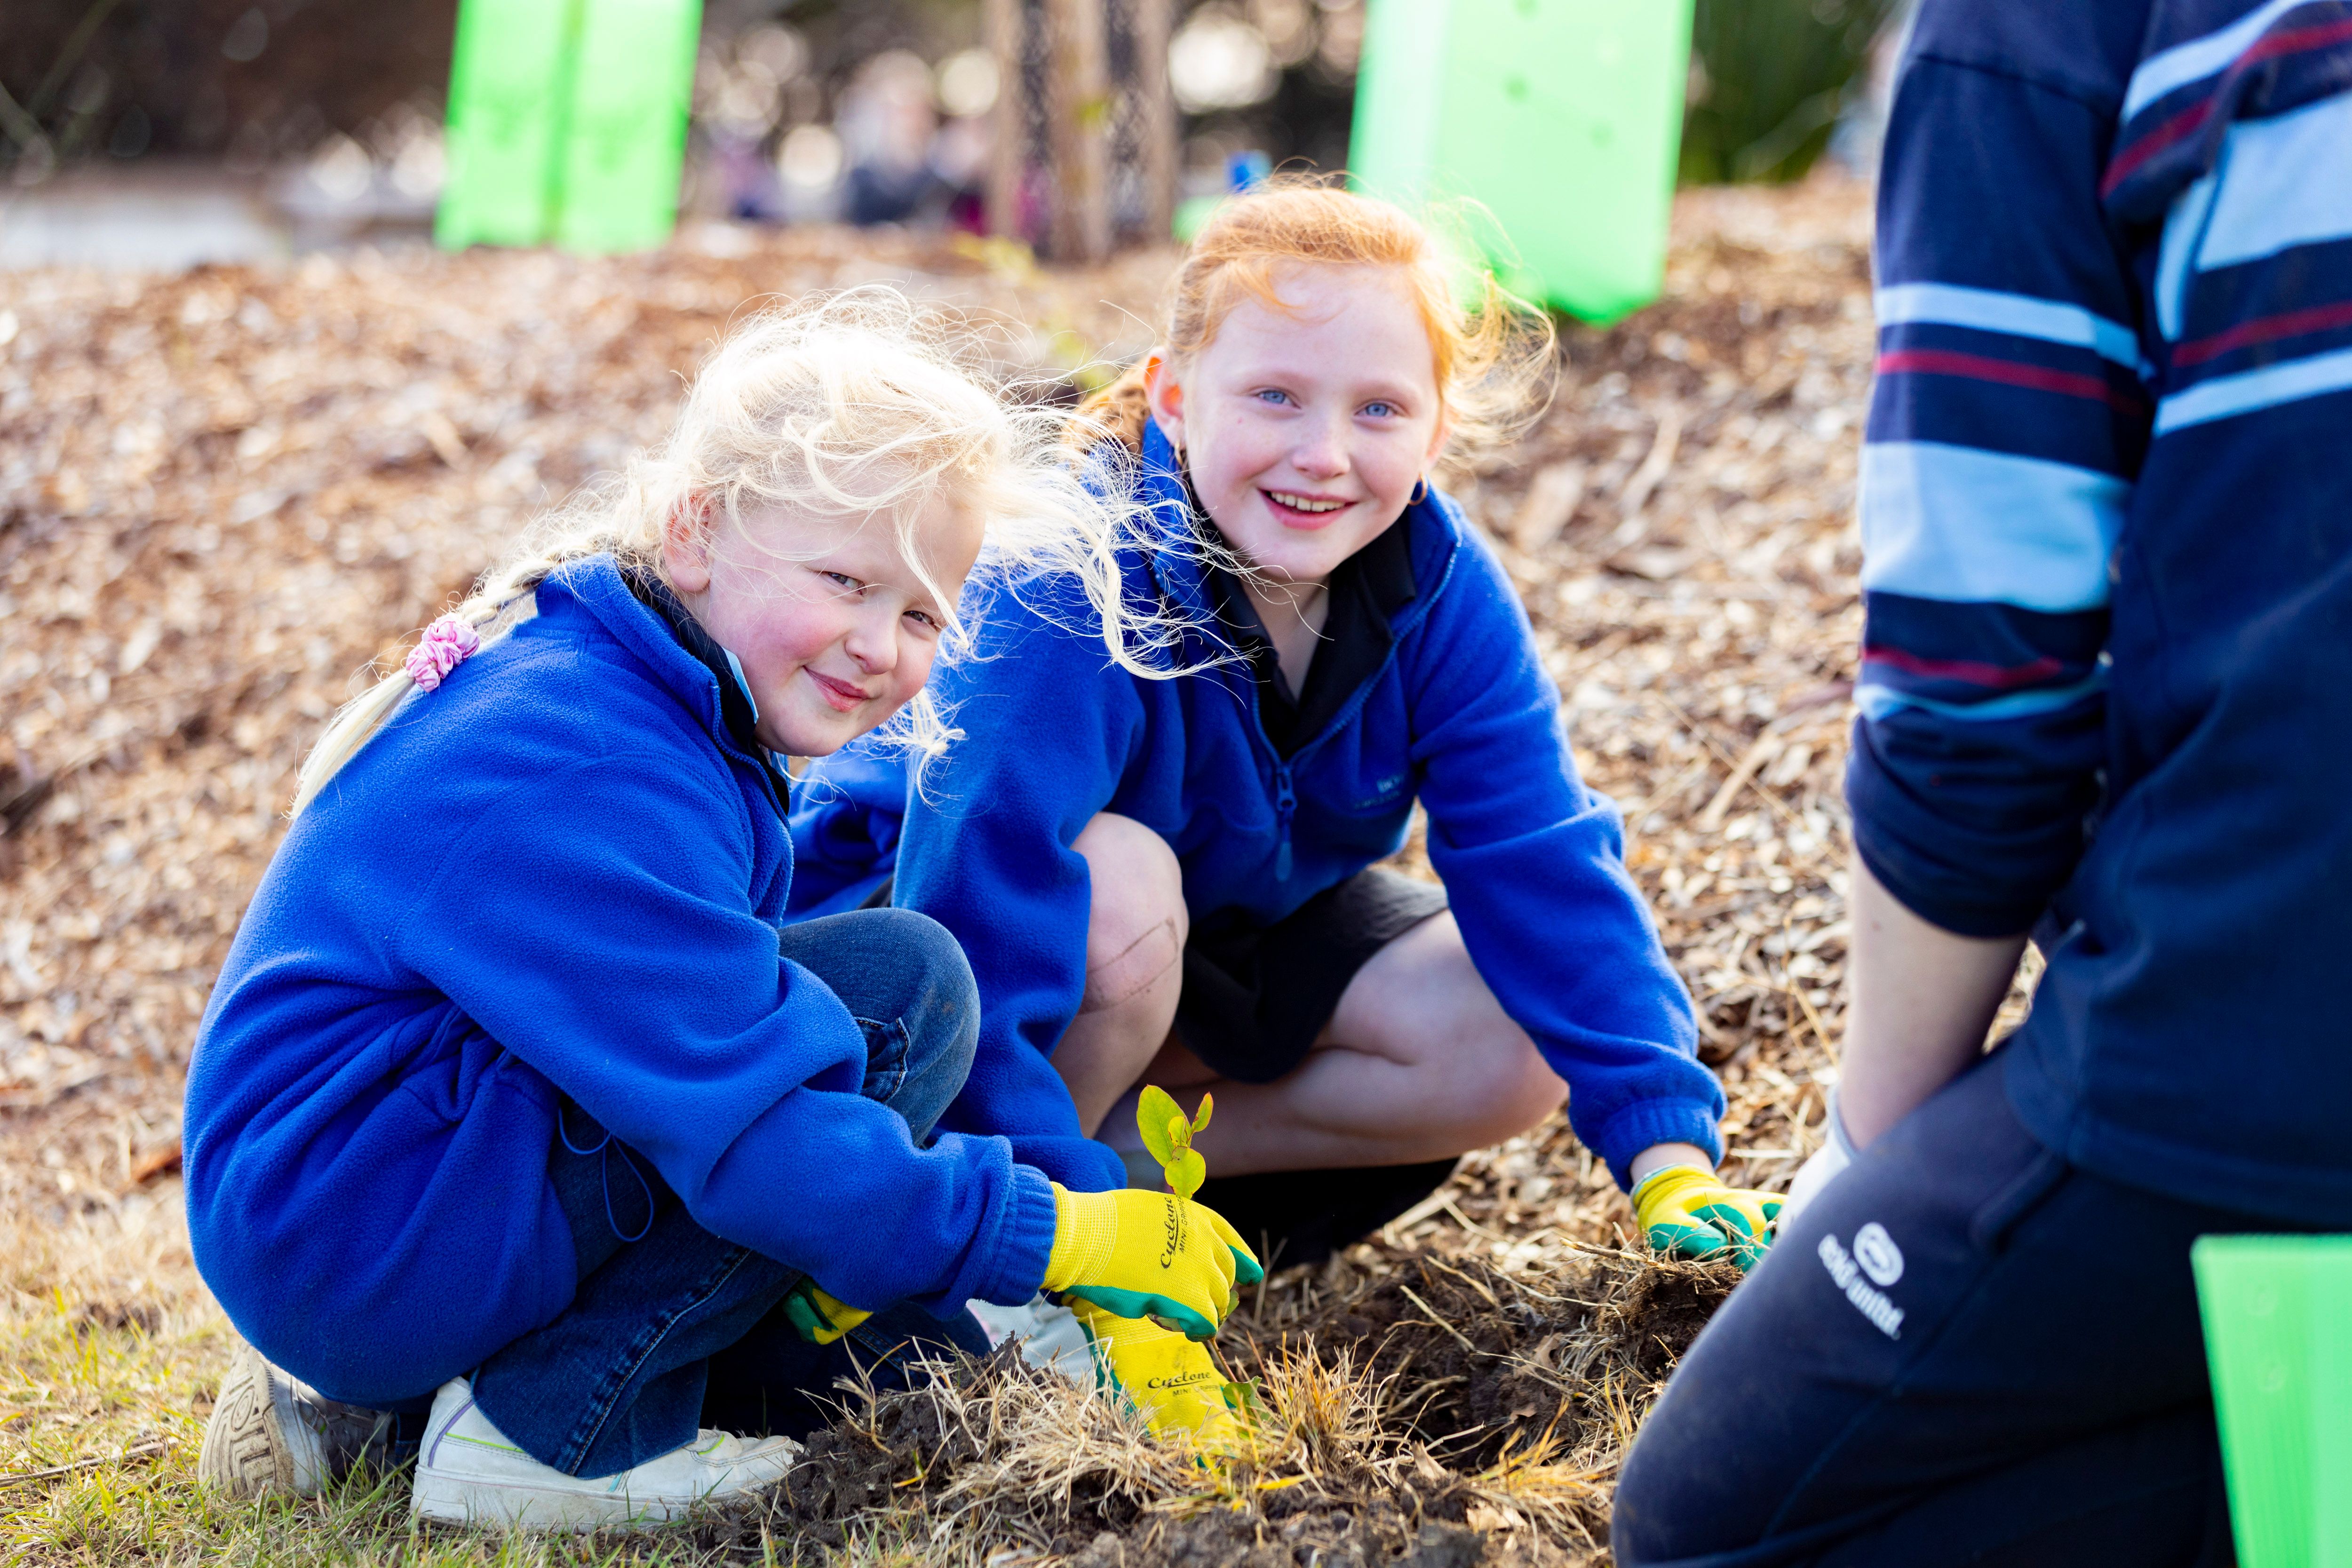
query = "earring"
{"x": 1420, "y": 492}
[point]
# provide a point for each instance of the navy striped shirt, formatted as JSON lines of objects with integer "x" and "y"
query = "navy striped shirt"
{"x": 2107, "y": 507}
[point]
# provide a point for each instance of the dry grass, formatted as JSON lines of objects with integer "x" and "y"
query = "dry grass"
{"x": 1351, "y": 1458}
{"x": 221, "y": 493}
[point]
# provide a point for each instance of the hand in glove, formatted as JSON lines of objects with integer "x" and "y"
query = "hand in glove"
{"x": 1170, "y": 1379}
{"x": 819, "y": 1318}
{"x": 1148, "y": 1254}
{"x": 1688, "y": 1213}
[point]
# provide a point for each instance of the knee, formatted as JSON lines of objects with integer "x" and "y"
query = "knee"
{"x": 942, "y": 1018}
{"x": 1137, "y": 922}
{"x": 1511, "y": 1088}
{"x": 1643, "y": 1504}
{"x": 1677, "y": 1502}
{"x": 1486, "y": 1080}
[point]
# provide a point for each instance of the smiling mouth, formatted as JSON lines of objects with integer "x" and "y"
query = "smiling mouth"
{"x": 839, "y": 695}
{"x": 1308, "y": 509}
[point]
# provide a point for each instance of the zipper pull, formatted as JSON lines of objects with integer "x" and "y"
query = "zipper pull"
{"x": 1286, "y": 801}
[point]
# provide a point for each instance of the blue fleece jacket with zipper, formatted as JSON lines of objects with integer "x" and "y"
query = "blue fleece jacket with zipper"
{"x": 557, "y": 875}
{"x": 1460, "y": 716}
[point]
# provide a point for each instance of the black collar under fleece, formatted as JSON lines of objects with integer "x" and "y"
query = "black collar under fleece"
{"x": 1366, "y": 590}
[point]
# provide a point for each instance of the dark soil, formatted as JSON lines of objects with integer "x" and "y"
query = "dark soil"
{"x": 1333, "y": 1538}
{"x": 1479, "y": 1359}
{"x": 1662, "y": 1314}
{"x": 870, "y": 1462}
{"x": 1475, "y": 1366}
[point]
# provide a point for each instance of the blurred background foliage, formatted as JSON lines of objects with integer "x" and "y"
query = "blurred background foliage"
{"x": 1771, "y": 81}
{"x": 263, "y": 84}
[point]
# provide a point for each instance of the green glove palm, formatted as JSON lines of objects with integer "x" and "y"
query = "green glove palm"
{"x": 819, "y": 1317}
{"x": 1689, "y": 1213}
{"x": 1148, "y": 1254}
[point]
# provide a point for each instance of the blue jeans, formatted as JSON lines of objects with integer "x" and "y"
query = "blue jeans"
{"x": 673, "y": 1328}
{"x": 1965, "y": 1351}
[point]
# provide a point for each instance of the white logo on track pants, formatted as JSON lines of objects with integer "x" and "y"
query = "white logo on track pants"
{"x": 1881, "y": 1260}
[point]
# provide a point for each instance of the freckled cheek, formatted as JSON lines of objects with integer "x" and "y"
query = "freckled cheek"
{"x": 1233, "y": 455}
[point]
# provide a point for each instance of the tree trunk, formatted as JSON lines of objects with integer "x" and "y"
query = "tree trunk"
{"x": 1008, "y": 162}
{"x": 1079, "y": 108}
{"x": 1156, "y": 106}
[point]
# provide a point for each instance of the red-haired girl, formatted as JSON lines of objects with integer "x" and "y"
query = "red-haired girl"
{"x": 1173, "y": 880}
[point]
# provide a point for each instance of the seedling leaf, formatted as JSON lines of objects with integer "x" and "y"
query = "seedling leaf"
{"x": 1154, "y": 1111}
{"x": 1186, "y": 1172}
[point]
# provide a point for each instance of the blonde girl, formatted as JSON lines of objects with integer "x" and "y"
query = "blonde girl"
{"x": 513, "y": 1128}
{"x": 1173, "y": 881}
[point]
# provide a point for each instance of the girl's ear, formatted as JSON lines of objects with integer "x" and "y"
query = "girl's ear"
{"x": 1439, "y": 436}
{"x": 1165, "y": 397}
{"x": 686, "y": 545}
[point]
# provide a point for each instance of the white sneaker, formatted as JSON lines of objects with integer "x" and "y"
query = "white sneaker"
{"x": 270, "y": 1431}
{"x": 1050, "y": 1336}
{"x": 469, "y": 1473}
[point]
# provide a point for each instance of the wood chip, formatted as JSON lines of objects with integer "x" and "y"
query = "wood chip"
{"x": 1552, "y": 497}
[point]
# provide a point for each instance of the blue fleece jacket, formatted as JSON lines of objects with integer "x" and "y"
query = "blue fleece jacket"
{"x": 1460, "y": 716}
{"x": 558, "y": 874}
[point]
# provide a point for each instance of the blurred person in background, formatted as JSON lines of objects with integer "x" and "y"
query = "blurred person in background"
{"x": 2108, "y": 577}
{"x": 885, "y": 122}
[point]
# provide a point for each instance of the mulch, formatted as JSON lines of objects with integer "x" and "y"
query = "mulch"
{"x": 223, "y": 494}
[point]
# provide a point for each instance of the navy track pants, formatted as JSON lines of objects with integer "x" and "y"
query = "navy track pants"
{"x": 1966, "y": 1350}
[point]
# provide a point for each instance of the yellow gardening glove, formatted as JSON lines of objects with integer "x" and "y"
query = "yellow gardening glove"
{"x": 1170, "y": 1379}
{"x": 1689, "y": 1213}
{"x": 819, "y": 1318}
{"x": 1148, "y": 1254}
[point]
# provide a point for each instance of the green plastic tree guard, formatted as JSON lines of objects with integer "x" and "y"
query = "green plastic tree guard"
{"x": 2278, "y": 1334}
{"x": 630, "y": 98}
{"x": 1561, "y": 119}
{"x": 506, "y": 97}
{"x": 567, "y": 122}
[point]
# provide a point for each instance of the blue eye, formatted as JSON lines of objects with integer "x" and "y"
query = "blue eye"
{"x": 1379, "y": 410}
{"x": 843, "y": 578}
{"x": 1273, "y": 394}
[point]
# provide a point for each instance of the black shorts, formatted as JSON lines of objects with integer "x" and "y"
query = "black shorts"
{"x": 1255, "y": 997}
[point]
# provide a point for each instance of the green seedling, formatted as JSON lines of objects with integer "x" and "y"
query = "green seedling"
{"x": 1168, "y": 1135}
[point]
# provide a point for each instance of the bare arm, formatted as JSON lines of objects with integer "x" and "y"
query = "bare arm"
{"x": 1658, "y": 1156}
{"x": 1922, "y": 999}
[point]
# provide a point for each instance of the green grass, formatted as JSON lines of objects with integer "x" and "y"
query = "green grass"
{"x": 73, "y": 1390}
{"x": 111, "y": 1352}
{"x": 110, "y": 1346}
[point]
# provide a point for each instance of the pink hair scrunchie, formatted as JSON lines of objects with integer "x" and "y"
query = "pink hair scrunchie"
{"x": 446, "y": 644}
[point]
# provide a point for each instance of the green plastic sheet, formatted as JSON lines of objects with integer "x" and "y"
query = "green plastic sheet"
{"x": 1558, "y": 120}
{"x": 2278, "y": 1334}
{"x": 567, "y": 122}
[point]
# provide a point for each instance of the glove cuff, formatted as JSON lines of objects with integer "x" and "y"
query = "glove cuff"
{"x": 1655, "y": 1194}
{"x": 1086, "y": 1225}
{"x": 1658, "y": 1179}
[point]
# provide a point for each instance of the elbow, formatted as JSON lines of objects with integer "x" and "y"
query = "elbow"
{"x": 1976, "y": 852}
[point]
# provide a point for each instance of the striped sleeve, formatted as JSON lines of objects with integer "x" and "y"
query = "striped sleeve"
{"x": 2240, "y": 140}
{"x": 2008, "y": 424}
